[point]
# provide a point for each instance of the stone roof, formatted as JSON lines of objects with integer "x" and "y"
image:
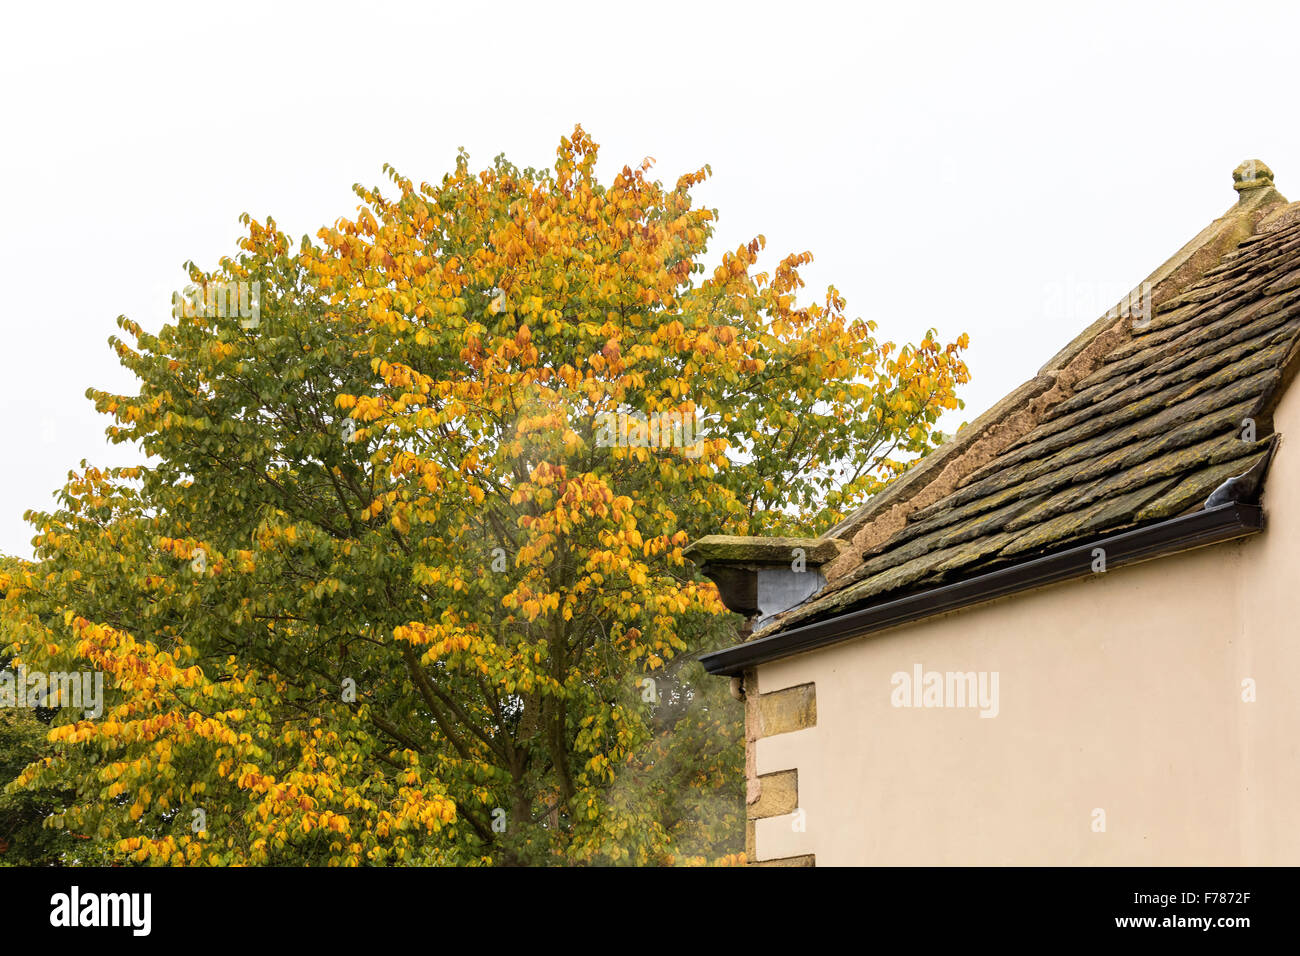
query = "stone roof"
{"x": 1138, "y": 420}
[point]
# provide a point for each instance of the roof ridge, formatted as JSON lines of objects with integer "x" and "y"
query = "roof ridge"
{"x": 1027, "y": 407}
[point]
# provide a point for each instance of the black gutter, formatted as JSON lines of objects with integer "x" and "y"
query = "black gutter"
{"x": 1205, "y": 527}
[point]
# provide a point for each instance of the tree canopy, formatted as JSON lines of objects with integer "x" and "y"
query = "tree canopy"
{"x": 400, "y": 578}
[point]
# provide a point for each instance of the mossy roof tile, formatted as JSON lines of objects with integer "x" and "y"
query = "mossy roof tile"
{"x": 1147, "y": 436}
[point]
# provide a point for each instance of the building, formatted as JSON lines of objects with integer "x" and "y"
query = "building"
{"x": 1070, "y": 635}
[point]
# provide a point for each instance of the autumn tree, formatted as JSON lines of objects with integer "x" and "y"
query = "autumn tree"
{"x": 24, "y": 839}
{"x": 402, "y": 580}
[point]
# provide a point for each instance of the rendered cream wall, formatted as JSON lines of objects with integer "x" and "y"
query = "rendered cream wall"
{"x": 1122, "y": 692}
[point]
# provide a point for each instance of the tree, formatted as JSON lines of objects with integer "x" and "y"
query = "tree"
{"x": 24, "y": 840}
{"x": 403, "y": 581}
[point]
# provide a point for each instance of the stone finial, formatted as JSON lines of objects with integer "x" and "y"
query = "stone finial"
{"x": 1252, "y": 174}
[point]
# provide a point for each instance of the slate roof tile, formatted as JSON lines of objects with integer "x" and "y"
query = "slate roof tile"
{"x": 1145, "y": 437}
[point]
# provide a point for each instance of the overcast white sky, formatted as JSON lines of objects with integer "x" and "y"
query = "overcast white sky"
{"x": 1007, "y": 170}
